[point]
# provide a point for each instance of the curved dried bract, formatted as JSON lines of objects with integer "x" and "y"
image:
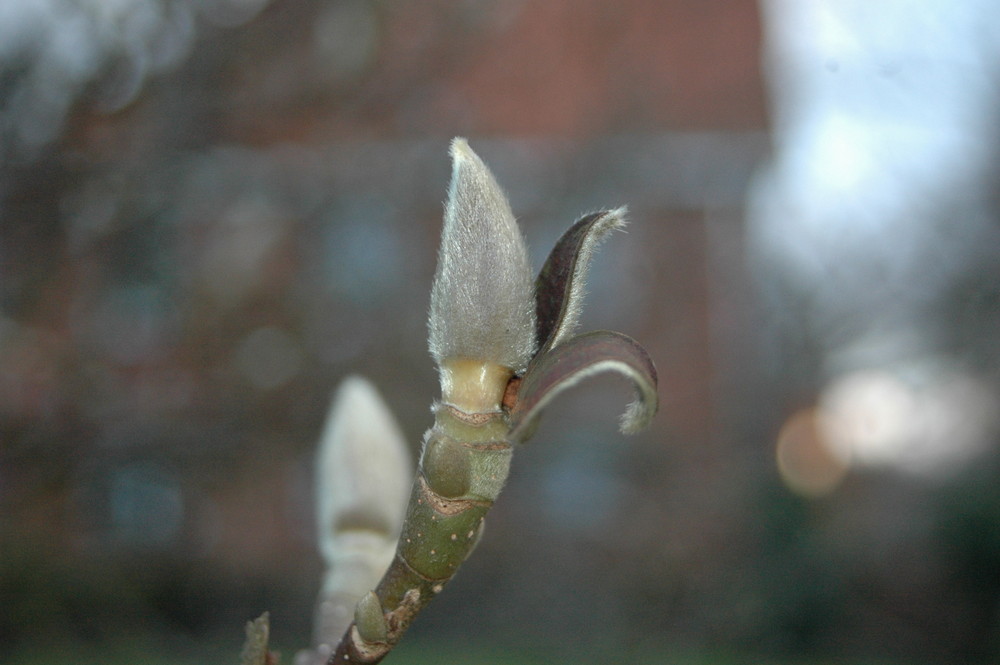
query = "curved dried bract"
{"x": 559, "y": 288}
{"x": 579, "y": 358}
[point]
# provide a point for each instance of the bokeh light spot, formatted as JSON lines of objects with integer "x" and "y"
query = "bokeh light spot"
{"x": 930, "y": 423}
{"x": 807, "y": 464}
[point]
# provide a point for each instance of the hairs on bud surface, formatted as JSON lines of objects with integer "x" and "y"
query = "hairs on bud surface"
{"x": 482, "y": 301}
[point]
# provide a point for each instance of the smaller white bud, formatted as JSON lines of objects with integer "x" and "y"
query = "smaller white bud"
{"x": 363, "y": 477}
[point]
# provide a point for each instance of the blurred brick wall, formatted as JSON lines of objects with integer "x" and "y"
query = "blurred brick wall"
{"x": 164, "y": 255}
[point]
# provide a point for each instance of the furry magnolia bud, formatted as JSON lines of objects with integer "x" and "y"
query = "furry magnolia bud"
{"x": 363, "y": 474}
{"x": 482, "y": 301}
{"x": 363, "y": 470}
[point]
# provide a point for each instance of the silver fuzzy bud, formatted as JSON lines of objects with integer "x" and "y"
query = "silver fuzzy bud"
{"x": 482, "y": 301}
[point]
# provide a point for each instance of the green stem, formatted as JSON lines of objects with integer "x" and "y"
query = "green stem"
{"x": 464, "y": 465}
